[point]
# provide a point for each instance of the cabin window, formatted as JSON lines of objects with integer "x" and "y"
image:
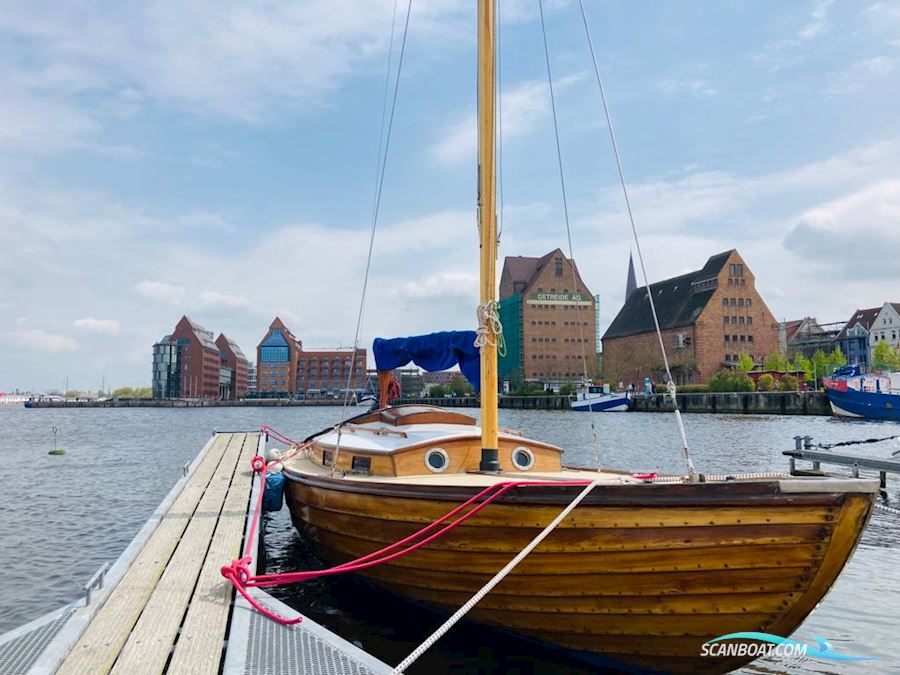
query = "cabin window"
{"x": 522, "y": 458}
{"x": 361, "y": 465}
{"x": 327, "y": 458}
{"x": 437, "y": 460}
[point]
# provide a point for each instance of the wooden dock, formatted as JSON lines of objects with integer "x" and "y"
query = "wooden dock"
{"x": 166, "y": 608}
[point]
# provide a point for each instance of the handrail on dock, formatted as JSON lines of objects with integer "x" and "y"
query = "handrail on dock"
{"x": 803, "y": 450}
{"x": 95, "y": 581}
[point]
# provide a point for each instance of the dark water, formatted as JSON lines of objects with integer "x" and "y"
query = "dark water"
{"x": 63, "y": 517}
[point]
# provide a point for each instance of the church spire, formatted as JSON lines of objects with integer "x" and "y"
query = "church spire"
{"x": 631, "y": 284}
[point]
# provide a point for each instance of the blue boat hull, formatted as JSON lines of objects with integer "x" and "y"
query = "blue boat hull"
{"x": 869, "y": 405}
{"x": 602, "y": 404}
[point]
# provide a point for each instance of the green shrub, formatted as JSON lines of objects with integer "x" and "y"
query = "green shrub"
{"x": 788, "y": 383}
{"x": 765, "y": 383}
{"x": 566, "y": 389}
{"x": 729, "y": 380}
{"x": 529, "y": 389}
{"x": 693, "y": 389}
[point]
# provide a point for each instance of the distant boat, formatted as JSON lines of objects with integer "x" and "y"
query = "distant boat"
{"x": 366, "y": 400}
{"x": 872, "y": 396}
{"x": 593, "y": 399}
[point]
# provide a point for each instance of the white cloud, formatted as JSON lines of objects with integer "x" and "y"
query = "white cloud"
{"x": 862, "y": 227}
{"x": 217, "y": 300}
{"x": 40, "y": 340}
{"x": 161, "y": 291}
{"x": 524, "y": 107}
{"x": 863, "y": 72}
{"x": 92, "y": 325}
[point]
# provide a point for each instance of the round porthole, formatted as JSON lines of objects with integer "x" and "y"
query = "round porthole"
{"x": 523, "y": 458}
{"x": 437, "y": 460}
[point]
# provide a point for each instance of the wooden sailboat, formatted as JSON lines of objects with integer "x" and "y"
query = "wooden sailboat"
{"x": 642, "y": 573}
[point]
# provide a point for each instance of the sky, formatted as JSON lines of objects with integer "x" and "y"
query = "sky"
{"x": 218, "y": 159}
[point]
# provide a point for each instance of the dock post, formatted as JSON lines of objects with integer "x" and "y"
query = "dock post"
{"x": 816, "y": 465}
{"x": 856, "y": 470}
{"x": 793, "y": 463}
{"x": 798, "y": 443}
{"x": 882, "y": 475}
{"x": 807, "y": 442}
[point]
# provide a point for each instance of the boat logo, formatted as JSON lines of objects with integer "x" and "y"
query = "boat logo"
{"x": 767, "y": 644}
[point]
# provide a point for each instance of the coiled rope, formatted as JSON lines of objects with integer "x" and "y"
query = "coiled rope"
{"x": 490, "y": 329}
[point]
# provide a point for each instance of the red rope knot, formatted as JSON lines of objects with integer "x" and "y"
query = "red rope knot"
{"x": 645, "y": 476}
{"x": 258, "y": 464}
{"x": 238, "y": 572}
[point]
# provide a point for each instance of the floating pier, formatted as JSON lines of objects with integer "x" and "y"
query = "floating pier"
{"x": 164, "y": 606}
{"x": 805, "y": 450}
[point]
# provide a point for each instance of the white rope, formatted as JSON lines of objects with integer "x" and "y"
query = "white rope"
{"x": 562, "y": 184}
{"x": 474, "y": 600}
{"x": 637, "y": 243}
{"x": 490, "y": 329}
{"x": 887, "y": 509}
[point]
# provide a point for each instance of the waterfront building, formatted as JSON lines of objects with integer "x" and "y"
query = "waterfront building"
{"x": 707, "y": 317}
{"x": 186, "y": 363}
{"x": 548, "y": 320}
{"x": 284, "y": 368}
{"x": 886, "y": 326}
{"x": 276, "y": 360}
{"x": 854, "y": 336}
{"x": 327, "y": 372}
{"x": 806, "y": 336}
{"x": 233, "y": 369}
{"x": 251, "y": 378}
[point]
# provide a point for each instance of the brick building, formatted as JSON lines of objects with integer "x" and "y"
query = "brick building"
{"x": 708, "y": 317}
{"x": 186, "y": 364}
{"x": 548, "y": 320}
{"x": 284, "y": 368}
{"x": 233, "y": 369}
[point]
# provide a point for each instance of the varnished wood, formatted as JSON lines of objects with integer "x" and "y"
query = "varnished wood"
{"x": 643, "y": 578}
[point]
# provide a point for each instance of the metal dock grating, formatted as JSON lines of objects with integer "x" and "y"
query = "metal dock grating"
{"x": 165, "y": 607}
{"x": 20, "y": 648}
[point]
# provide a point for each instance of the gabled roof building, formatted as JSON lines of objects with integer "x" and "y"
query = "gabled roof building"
{"x": 548, "y": 321}
{"x": 854, "y": 336}
{"x": 707, "y": 317}
{"x": 186, "y": 363}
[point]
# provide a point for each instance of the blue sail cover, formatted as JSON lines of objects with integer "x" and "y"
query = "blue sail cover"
{"x": 435, "y": 351}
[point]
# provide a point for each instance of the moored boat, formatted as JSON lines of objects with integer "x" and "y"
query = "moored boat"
{"x": 593, "y": 399}
{"x": 641, "y": 574}
{"x": 854, "y": 394}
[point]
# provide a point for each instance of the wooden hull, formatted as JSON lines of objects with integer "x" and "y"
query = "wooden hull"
{"x": 638, "y": 575}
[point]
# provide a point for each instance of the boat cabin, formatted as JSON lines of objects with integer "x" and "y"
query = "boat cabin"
{"x": 410, "y": 440}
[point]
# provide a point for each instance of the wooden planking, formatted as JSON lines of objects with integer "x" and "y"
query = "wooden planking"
{"x": 200, "y": 642}
{"x": 588, "y": 516}
{"x": 514, "y": 539}
{"x": 652, "y": 584}
{"x": 98, "y": 646}
{"x": 150, "y": 643}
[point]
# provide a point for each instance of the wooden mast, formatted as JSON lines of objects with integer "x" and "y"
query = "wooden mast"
{"x": 488, "y": 227}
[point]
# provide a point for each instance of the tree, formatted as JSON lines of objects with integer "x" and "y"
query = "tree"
{"x": 788, "y": 383}
{"x": 438, "y": 391}
{"x": 885, "y": 357}
{"x": 459, "y": 387}
{"x": 836, "y": 358}
{"x": 777, "y": 362}
{"x": 765, "y": 383}
{"x": 804, "y": 364}
{"x": 745, "y": 362}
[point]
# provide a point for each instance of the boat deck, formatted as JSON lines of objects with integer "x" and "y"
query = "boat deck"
{"x": 165, "y": 606}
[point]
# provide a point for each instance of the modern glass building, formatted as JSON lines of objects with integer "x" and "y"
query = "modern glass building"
{"x": 167, "y": 368}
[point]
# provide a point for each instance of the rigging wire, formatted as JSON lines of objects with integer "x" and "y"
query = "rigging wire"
{"x": 672, "y": 389}
{"x": 562, "y": 182}
{"x": 375, "y": 211}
